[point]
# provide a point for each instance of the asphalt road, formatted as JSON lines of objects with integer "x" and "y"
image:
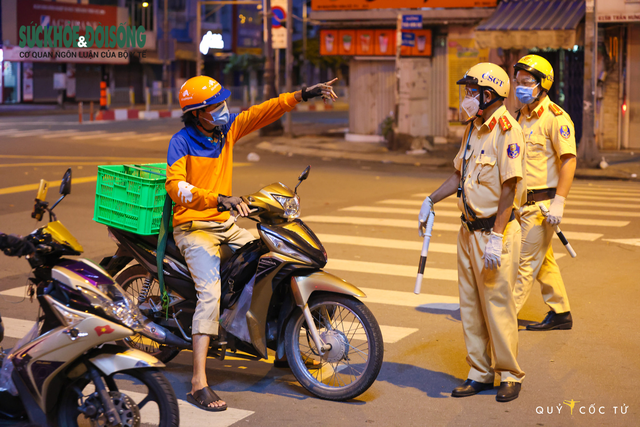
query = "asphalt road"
{"x": 365, "y": 213}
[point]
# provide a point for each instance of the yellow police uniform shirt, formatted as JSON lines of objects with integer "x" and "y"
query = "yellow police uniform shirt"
{"x": 549, "y": 133}
{"x": 496, "y": 153}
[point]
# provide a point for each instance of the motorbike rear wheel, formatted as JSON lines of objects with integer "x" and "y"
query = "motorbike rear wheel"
{"x": 132, "y": 279}
{"x": 148, "y": 399}
{"x": 354, "y": 361}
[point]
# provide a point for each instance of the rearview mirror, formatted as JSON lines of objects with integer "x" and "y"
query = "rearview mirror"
{"x": 65, "y": 185}
{"x": 305, "y": 174}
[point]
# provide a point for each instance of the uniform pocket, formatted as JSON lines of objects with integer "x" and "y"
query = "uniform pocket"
{"x": 536, "y": 145}
{"x": 486, "y": 167}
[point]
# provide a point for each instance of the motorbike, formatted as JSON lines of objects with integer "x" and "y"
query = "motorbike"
{"x": 67, "y": 371}
{"x": 275, "y": 295}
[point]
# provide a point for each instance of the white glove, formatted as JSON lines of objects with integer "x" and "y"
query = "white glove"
{"x": 493, "y": 251}
{"x": 425, "y": 211}
{"x": 555, "y": 210}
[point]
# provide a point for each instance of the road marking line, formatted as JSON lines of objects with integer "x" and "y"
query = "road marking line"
{"x": 190, "y": 414}
{"x": 400, "y": 223}
{"x": 599, "y": 189}
{"x": 9, "y": 165}
{"x": 571, "y": 202}
{"x": 119, "y": 136}
{"x": 633, "y": 242}
{"x": 445, "y": 248}
{"x": 156, "y": 138}
{"x": 573, "y": 196}
{"x": 76, "y": 133}
{"x": 123, "y": 159}
{"x": 60, "y": 134}
{"x": 391, "y": 269}
{"x": 139, "y": 136}
{"x": 18, "y": 328}
{"x": 33, "y": 187}
{"x": 88, "y": 135}
{"x": 456, "y": 214}
{"x": 403, "y": 223}
{"x": 409, "y": 299}
{"x": 24, "y": 133}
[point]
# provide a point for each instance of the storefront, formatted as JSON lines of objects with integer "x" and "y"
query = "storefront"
{"x": 552, "y": 29}
{"x": 618, "y": 68}
{"x": 367, "y": 35}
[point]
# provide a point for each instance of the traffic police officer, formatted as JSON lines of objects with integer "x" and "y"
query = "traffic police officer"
{"x": 489, "y": 183}
{"x": 551, "y": 164}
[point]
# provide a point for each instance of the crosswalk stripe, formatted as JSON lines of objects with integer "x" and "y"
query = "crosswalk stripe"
{"x": 16, "y": 328}
{"x": 409, "y": 299}
{"x": 400, "y": 223}
{"x": 601, "y": 189}
{"x": 404, "y": 223}
{"x": 24, "y": 133}
{"x": 372, "y": 242}
{"x": 391, "y": 269}
{"x": 456, "y": 214}
{"x": 88, "y": 135}
{"x": 60, "y": 134}
{"x": 156, "y": 138}
{"x": 573, "y": 196}
{"x": 119, "y": 136}
{"x": 191, "y": 414}
{"x": 633, "y": 242}
{"x": 570, "y": 202}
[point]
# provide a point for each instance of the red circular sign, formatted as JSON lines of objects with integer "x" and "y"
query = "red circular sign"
{"x": 279, "y": 16}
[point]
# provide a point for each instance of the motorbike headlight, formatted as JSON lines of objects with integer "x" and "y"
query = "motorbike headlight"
{"x": 116, "y": 304}
{"x": 291, "y": 206}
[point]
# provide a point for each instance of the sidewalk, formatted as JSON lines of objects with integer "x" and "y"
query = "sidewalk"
{"x": 622, "y": 165}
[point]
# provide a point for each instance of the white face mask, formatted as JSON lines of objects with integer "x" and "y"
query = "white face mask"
{"x": 471, "y": 106}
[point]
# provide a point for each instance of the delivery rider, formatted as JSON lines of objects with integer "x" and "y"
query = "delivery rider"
{"x": 550, "y": 166}
{"x": 489, "y": 182}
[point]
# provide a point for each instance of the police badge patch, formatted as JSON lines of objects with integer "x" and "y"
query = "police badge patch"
{"x": 565, "y": 132}
{"x": 513, "y": 151}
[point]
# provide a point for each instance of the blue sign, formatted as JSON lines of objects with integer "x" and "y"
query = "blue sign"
{"x": 411, "y": 22}
{"x": 408, "y": 39}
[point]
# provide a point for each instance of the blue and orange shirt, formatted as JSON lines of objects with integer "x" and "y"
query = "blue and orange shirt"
{"x": 199, "y": 168}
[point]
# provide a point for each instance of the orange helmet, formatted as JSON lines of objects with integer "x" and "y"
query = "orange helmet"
{"x": 198, "y": 92}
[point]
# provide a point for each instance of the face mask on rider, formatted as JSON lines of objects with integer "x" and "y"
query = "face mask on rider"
{"x": 525, "y": 94}
{"x": 471, "y": 105}
{"x": 217, "y": 117}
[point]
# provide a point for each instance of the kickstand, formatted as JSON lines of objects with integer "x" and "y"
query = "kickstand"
{"x": 222, "y": 342}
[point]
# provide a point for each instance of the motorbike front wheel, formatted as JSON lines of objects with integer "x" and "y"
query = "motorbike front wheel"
{"x": 352, "y": 364}
{"x": 141, "y": 396}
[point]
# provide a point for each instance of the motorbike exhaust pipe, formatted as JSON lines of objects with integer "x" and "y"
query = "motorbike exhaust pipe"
{"x": 163, "y": 336}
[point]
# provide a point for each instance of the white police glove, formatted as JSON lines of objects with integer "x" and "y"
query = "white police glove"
{"x": 493, "y": 251}
{"x": 555, "y": 210}
{"x": 425, "y": 211}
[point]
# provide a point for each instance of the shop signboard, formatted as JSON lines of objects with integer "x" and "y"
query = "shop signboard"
{"x": 411, "y": 22}
{"x": 398, "y": 4}
{"x": 374, "y": 42}
{"x": 618, "y": 11}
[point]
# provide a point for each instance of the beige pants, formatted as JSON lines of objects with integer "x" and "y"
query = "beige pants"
{"x": 487, "y": 307}
{"x": 199, "y": 243}
{"x": 537, "y": 262}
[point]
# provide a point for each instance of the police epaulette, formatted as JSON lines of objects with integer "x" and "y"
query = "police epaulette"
{"x": 555, "y": 109}
{"x": 505, "y": 124}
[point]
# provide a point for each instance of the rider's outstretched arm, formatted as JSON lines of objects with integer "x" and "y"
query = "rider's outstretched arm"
{"x": 262, "y": 115}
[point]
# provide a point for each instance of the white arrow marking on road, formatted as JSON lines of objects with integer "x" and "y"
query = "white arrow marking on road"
{"x": 391, "y": 269}
{"x": 633, "y": 242}
{"x": 409, "y": 299}
{"x": 400, "y": 223}
{"x": 456, "y": 214}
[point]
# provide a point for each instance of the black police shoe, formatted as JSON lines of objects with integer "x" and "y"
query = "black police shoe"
{"x": 470, "y": 387}
{"x": 553, "y": 321}
{"x": 508, "y": 391}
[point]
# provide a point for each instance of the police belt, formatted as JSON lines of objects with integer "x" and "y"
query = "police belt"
{"x": 534, "y": 196}
{"x": 485, "y": 224}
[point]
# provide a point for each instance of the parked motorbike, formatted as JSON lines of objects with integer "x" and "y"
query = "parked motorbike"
{"x": 64, "y": 372}
{"x": 275, "y": 296}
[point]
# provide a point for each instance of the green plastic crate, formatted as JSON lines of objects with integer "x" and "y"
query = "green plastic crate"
{"x": 131, "y": 197}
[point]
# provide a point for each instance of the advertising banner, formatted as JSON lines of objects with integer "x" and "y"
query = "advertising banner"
{"x": 27, "y": 81}
{"x": 372, "y": 42}
{"x": 397, "y": 4}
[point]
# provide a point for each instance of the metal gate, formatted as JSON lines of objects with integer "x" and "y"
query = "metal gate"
{"x": 372, "y": 95}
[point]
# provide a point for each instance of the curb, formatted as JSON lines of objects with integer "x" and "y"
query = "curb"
{"x": 119, "y": 114}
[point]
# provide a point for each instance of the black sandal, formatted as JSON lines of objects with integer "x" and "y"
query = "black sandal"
{"x": 203, "y": 398}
